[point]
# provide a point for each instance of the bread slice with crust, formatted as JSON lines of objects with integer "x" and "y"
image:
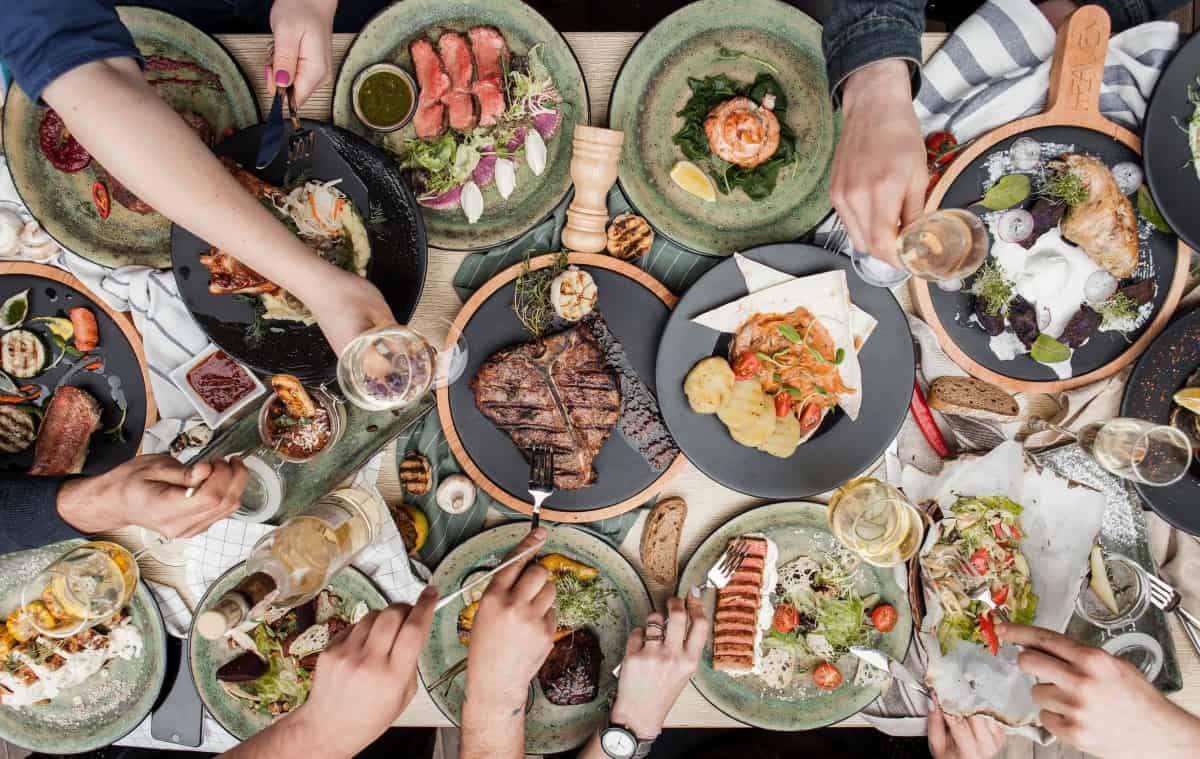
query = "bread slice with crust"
{"x": 967, "y": 396}
{"x": 660, "y": 540}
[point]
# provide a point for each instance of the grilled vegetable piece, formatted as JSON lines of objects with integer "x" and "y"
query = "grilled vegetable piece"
{"x": 466, "y": 621}
{"x": 746, "y": 405}
{"x": 17, "y": 429}
{"x": 296, "y": 399}
{"x": 559, "y": 565}
{"x": 784, "y": 439}
{"x": 416, "y": 476}
{"x": 87, "y": 334}
{"x": 23, "y": 354}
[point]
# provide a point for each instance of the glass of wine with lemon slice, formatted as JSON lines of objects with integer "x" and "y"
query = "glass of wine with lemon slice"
{"x": 84, "y": 587}
{"x": 875, "y": 521}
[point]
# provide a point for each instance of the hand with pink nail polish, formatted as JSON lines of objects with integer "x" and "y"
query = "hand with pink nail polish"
{"x": 303, "y": 31}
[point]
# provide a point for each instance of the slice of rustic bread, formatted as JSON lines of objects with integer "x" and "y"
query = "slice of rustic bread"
{"x": 660, "y": 540}
{"x": 971, "y": 397}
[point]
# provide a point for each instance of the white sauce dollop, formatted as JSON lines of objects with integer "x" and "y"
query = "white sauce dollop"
{"x": 1052, "y": 275}
{"x": 124, "y": 642}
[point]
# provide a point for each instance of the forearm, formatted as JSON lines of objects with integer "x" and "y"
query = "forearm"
{"x": 30, "y": 518}
{"x": 145, "y": 144}
{"x": 492, "y": 733}
{"x": 290, "y": 737}
{"x": 1127, "y": 13}
{"x": 592, "y": 750}
{"x": 860, "y": 33}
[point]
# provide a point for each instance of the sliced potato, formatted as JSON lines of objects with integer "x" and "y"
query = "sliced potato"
{"x": 709, "y": 385}
{"x": 784, "y": 438}
{"x": 746, "y": 405}
{"x": 758, "y": 432}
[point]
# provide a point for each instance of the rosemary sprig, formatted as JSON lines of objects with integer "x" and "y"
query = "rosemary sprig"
{"x": 531, "y": 294}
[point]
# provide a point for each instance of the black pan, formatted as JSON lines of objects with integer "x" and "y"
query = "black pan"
{"x": 398, "y": 252}
{"x": 841, "y": 448}
{"x": 1161, "y": 371}
{"x": 954, "y": 308}
{"x": 121, "y": 374}
{"x": 1170, "y": 172}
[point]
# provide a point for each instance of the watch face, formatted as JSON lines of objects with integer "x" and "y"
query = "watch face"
{"x": 618, "y": 743}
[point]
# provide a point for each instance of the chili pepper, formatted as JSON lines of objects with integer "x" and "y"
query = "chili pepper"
{"x": 988, "y": 631}
{"x": 937, "y": 143}
{"x": 979, "y": 560}
{"x": 924, "y": 418}
{"x": 87, "y": 334}
{"x": 94, "y": 366}
{"x": 101, "y": 199}
{"x": 1000, "y": 595}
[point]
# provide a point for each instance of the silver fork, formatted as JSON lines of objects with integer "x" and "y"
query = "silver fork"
{"x": 1165, "y": 597}
{"x": 836, "y": 239}
{"x": 541, "y": 480}
{"x": 977, "y": 587}
{"x": 300, "y": 142}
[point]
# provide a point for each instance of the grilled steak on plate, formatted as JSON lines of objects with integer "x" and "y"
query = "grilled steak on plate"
{"x": 62, "y": 443}
{"x": 571, "y": 673}
{"x": 557, "y": 391}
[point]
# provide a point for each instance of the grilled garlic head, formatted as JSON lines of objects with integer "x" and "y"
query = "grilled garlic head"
{"x": 573, "y": 294}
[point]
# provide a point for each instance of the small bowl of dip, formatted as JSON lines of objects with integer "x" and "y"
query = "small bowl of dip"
{"x": 384, "y": 97}
{"x": 217, "y": 386}
{"x": 300, "y": 440}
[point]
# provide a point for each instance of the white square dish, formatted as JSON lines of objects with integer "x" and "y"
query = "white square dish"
{"x": 211, "y": 416}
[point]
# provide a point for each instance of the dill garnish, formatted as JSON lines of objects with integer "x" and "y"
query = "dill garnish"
{"x": 1067, "y": 187}
{"x": 531, "y": 294}
{"x": 1118, "y": 309}
{"x": 993, "y": 288}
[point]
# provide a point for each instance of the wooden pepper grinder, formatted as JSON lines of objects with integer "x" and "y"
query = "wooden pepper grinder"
{"x": 593, "y": 170}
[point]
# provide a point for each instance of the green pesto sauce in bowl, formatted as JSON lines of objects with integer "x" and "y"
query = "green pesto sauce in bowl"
{"x": 385, "y": 99}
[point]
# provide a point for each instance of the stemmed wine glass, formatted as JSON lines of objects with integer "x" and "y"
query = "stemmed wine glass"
{"x": 393, "y": 367}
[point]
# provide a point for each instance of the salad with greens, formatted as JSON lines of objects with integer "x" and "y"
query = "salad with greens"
{"x": 984, "y": 532}
{"x": 818, "y": 615}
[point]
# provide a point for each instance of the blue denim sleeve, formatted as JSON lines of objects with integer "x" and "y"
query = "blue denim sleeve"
{"x": 860, "y": 32}
{"x": 29, "y": 513}
{"x": 1127, "y": 13}
{"x": 40, "y": 40}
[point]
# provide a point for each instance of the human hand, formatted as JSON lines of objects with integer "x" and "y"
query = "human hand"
{"x": 512, "y": 634}
{"x": 656, "y": 668}
{"x": 151, "y": 492}
{"x": 1057, "y": 11}
{"x": 879, "y": 168}
{"x": 366, "y": 677}
{"x": 1098, "y": 703}
{"x": 303, "y": 45}
{"x": 345, "y": 305}
{"x": 958, "y": 738}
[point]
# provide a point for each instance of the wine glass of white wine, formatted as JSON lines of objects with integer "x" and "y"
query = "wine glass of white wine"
{"x": 1137, "y": 450}
{"x": 943, "y": 246}
{"x": 875, "y": 521}
{"x": 84, "y": 587}
{"x": 393, "y": 367}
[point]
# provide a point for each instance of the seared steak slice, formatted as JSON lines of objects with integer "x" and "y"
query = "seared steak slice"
{"x": 557, "y": 391}
{"x": 571, "y": 673}
{"x": 62, "y": 443}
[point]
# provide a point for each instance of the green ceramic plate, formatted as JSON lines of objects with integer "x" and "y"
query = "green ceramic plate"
{"x": 386, "y": 38}
{"x": 548, "y": 728}
{"x": 206, "y": 656}
{"x": 63, "y": 202}
{"x": 799, "y": 529}
{"x": 652, "y": 86}
{"x": 104, "y": 708}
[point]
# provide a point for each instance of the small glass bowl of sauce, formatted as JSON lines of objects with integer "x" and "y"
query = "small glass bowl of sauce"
{"x": 300, "y": 440}
{"x": 384, "y": 97}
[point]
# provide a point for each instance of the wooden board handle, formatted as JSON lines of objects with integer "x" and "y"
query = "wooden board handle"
{"x": 1078, "y": 67}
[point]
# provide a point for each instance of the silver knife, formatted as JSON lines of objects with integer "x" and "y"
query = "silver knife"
{"x": 445, "y": 600}
{"x": 880, "y": 660}
{"x": 272, "y": 134}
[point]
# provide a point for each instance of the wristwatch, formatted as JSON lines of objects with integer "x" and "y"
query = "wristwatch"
{"x": 620, "y": 743}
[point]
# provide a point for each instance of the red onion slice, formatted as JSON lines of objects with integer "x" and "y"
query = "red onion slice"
{"x": 1015, "y": 225}
{"x": 1128, "y": 176}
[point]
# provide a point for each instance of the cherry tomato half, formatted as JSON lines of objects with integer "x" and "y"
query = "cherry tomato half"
{"x": 884, "y": 618}
{"x": 827, "y": 676}
{"x": 787, "y": 618}
{"x": 746, "y": 365}
{"x": 1000, "y": 595}
{"x": 810, "y": 417}
{"x": 979, "y": 560}
{"x": 783, "y": 403}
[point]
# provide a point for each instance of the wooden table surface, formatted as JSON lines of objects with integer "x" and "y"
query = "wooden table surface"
{"x": 709, "y": 504}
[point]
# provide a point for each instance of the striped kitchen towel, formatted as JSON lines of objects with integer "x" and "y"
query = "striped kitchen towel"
{"x": 996, "y": 67}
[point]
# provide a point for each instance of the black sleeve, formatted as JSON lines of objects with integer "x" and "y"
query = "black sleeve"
{"x": 1127, "y": 13}
{"x": 29, "y": 513}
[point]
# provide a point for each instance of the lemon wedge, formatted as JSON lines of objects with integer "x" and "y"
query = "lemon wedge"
{"x": 692, "y": 178}
{"x": 1189, "y": 398}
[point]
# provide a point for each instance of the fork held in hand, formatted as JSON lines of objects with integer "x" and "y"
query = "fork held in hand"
{"x": 977, "y": 587}
{"x": 721, "y": 572}
{"x": 541, "y": 480}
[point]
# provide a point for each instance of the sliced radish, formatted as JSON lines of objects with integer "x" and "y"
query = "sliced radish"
{"x": 535, "y": 152}
{"x": 1025, "y": 153}
{"x": 472, "y": 202}
{"x": 1015, "y": 225}
{"x": 1099, "y": 287}
{"x": 506, "y": 177}
{"x": 1128, "y": 176}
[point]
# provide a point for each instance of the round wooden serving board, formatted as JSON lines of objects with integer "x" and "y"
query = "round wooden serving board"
{"x": 1073, "y": 101}
{"x": 455, "y": 440}
{"x": 121, "y": 320}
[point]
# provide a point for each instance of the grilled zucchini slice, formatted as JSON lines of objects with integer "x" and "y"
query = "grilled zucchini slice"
{"x": 22, "y": 353}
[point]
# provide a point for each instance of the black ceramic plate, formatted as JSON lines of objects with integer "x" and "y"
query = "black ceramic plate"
{"x": 1161, "y": 371}
{"x": 122, "y": 374}
{"x": 1169, "y": 170}
{"x": 841, "y": 448}
{"x": 954, "y": 309}
{"x": 636, "y": 317}
{"x": 398, "y": 252}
